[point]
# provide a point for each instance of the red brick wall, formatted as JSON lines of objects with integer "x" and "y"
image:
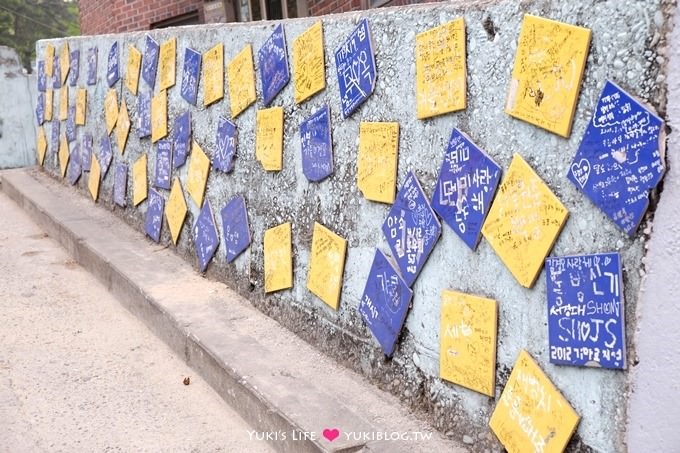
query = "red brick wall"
{"x": 321, "y": 7}
{"x": 117, "y": 16}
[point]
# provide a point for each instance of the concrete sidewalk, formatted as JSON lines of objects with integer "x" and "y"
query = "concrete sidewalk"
{"x": 285, "y": 389}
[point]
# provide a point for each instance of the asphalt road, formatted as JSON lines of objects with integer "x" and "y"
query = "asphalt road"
{"x": 79, "y": 373}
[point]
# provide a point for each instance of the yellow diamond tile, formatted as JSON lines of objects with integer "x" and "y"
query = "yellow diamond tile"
{"x": 122, "y": 126}
{"x": 309, "y": 70}
{"x": 166, "y": 63}
{"x": 63, "y": 103}
{"x": 278, "y": 259}
{"x": 440, "y": 69}
{"x": 133, "y": 66}
{"x": 467, "y": 334}
{"x": 269, "y": 138}
{"x": 176, "y": 210}
{"x": 326, "y": 265}
{"x": 65, "y": 62}
{"x": 213, "y": 74}
{"x": 159, "y": 116}
{"x": 49, "y": 60}
{"x": 49, "y": 104}
{"x": 94, "y": 178}
{"x": 197, "y": 176}
{"x": 524, "y": 221}
{"x": 532, "y": 414}
{"x": 546, "y": 76}
{"x": 377, "y": 161}
{"x": 241, "y": 78}
{"x": 41, "y": 145}
{"x": 111, "y": 109}
{"x": 139, "y": 180}
{"x": 81, "y": 106}
{"x": 63, "y": 155}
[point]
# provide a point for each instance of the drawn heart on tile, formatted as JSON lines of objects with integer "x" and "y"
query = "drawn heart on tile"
{"x": 581, "y": 171}
{"x": 331, "y": 434}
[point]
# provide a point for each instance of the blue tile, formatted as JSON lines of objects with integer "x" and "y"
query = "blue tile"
{"x": 385, "y": 302}
{"x": 273, "y": 62}
{"x": 105, "y": 154}
{"x": 411, "y": 228}
{"x": 190, "y": 75}
{"x": 235, "y": 227}
{"x": 618, "y": 161}
{"x": 74, "y": 70}
{"x": 205, "y": 236}
{"x": 92, "y": 53}
{"x": 154, "y": 215}
{"x": 74, "y": 170}
{"x": 317, "y": 145}
{"x": 120, "y": 178}
{"x": 112, "y": 65}
{"x": 86, "y": 152}
{"x": 40, "y": 109}
{"x": 585, "y": 310}
{"x": 56, "y": 74}
{"x": 71, "y": 124}
{"x": 144, "y": 114}
{"x": 467, "y": 182}
{"x": 181, "y": 142}
{"x": 225, "y": 145}
{"x": 42, "y": 76}
{"x": 355, "y": 65}
{"x": 150, "y": 61}
{"x": 163, "y": 164}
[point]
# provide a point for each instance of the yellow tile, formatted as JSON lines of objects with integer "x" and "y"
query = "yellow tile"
{"x": 41, "y": 145}
{"x": 197, "y": 176}
{"x": 65, "y": 62}
{"x": 63, "y": 154}
{"x": 213, "y": 74}
{"x": 176, "y": 210}
{"x": 63, "y": 103}
{"x": 546, "y": 76}
{"x": 467, "y": 353}
{"x": 122, "y": 126}
{"x": 49, "y": 103}
{"x": 440, "y": 69}
{"x": 241, "y": 77}
{"x": 166, "y": 63}
{"x": 278, "y": 259}
{"x": 133, "y": 66}
{"x": 159, "y": 116}
{"x": 269, "y": 138}
{"x": 309, "y": 69}
{"x": 94, "y": 178}
{"x": 139, "y": 180}
{"x": 377, "y": 161}
{"x": 111, "y": 109}
{"x": 49, "y": 60}
{"x": 524, "y": 221}
{"x": 326, "y": 265}
{"x": 531, "y": 414}
{"x": 81, "y": 106}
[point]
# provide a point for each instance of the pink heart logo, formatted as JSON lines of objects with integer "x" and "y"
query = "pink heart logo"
{"x": 331, "y": 434}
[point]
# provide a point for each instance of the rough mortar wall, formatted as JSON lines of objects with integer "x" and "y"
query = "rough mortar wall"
{"x": 628, "y": 45}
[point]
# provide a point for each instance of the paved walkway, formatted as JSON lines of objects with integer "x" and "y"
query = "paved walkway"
{"x": 78, "y": 373}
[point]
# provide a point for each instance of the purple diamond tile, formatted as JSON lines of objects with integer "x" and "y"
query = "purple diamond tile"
{"x": 56, "y": 74}
{"x": 235, "y": 227}
{"x": 105, "y": 154}
{"x": 42, "y": 76}
{"x": 181, "y": 141}
{"x": 355, "y": 66}
{"x": 317, "y": 145}
{"x": 163, "y": 164}
{"x": 40, "y": 109}
{"x": 92, "y": 53}
{"x": 86, "y": 152}
{"x": 74, "y": 70}
{"x": 71, "y": 124}
{"x": 120, "y": 178}
{"x": 144, "y": 114}
{"x": 620, "y": 160}
{"x": 411, "y": 228}
{"x": 273, "y": 62}
{"x": 112, "y": 70}
{"x": 225, "y": 149}
{"x": 154, "y": 215}
{"x": 585, "y": 310}
{"x": 73, "y": 169}
{"x": 467, "y": 182}
{"x": 150, "y": 61}
{"x": 190, "y": 75}
{"x": 205, "y": 236}
{"x": 385, "y": 302}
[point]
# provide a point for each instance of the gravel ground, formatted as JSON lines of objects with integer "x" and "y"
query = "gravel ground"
{"x": 79, "y": 373}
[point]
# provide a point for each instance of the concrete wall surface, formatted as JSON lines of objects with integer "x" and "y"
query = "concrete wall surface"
{"x": 17, "y": 133}
{"x": 629, "y": 46}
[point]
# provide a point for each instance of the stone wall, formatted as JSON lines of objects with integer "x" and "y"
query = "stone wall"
{"x": 629, "y": 40}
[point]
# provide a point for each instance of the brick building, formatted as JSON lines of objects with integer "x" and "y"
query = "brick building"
{"x": 117, "y": 16}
